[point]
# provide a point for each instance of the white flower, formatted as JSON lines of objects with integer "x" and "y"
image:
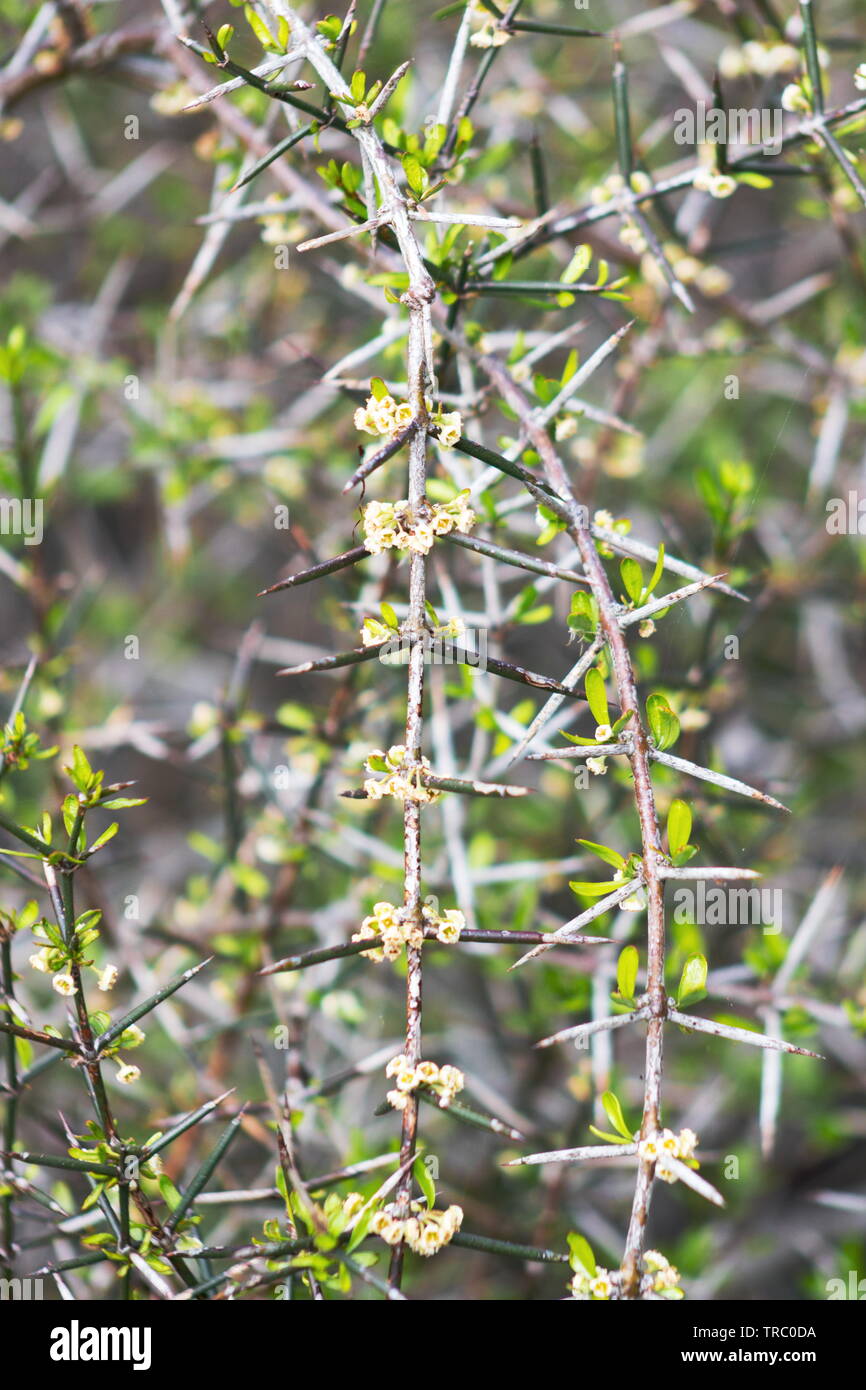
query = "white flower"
{"x": 450, "y": 428}
{"x": 687, "y": 1142}
{"x": 732, "y": 63}
{"x": 712, "y": 281}
{"x": 716, "y": 184}
{"x": 603, "y": 732}
{"x": 601, "y": 1286}
{"x": 597, "y": 766}
{"x": 794, "y": 99}
{"x": 108, "y": 978}
{"x": 860, "y": 78}
{"x": 489, "y": 36}
{"x": 64, "y": 984}
{"x": 373, "y": 633}
{"x": 565, "y": 428}
{"x": 647, "y": 627}
{"x": 127, "y": 1074}
{"x": 39, "y": 961}
{"x": 631, "y": 235}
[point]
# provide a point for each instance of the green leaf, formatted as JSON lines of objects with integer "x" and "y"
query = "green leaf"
{"x": 259, "y": 28}
{"x": 632, "y": 578}
{"x": 692, "y": 986}
{"x": 594, "y": 890}
{"x": 378, "y": 388}
{"x": 610, "y": 856}
{"x": 663, "y": 723}
{"x": 679, "y": 826}
{"x": 416, "y": 175}
{"x": 621, "y": 722}
{"x": 579, "y": 262}
{"x": 358, "y": 86}
{"x": 104, "y": 838}
{"x": 626, "y": 972}
{"x": 389, "y": 616}
{"x": 656, "y": 574}
{"x": 80, "y": 771}
{"x": 596, "y": 697}
{"x": 609, "y": 1138}
{"x": 613, "y": 1110}
{"x": 422, "y": 1176}
{"x": 170, "y": 1194}
{"x": 581, "y": 1254}
{"x": 360, "y": 1229}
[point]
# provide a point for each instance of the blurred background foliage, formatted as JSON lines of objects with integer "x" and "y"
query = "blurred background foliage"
{"x": 166, "y": 423}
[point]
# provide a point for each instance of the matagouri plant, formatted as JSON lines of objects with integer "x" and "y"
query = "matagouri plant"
{"x": 455, "y": 902}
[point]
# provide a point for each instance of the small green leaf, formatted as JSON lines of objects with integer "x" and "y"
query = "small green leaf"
{"x": 632, "y": 578}
{"x": 596, "y": 697}
{"x": 594, "y": 890}
{"x": 656, "y": 574}
{"x": 581, "y": 1255}
{"x": 679, "y": 826}
{"x": 613, "y": 1110}
{"x": 626, "y": 972}
{"x": 610, "y": 856}
{"x": 170, "y": 1194}
{"x": 104, "y": 838}
{"x": 422, "y": 1176}
{"x": 663, "y": 723}
{"x": 577, "y": 265}
{"x": 692, "y": 987}
{"x": 416, "y": 175}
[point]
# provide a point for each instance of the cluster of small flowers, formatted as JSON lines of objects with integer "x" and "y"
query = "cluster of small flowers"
{"x": 711, "y": 280}
{"x": 489, "y": 35}
{"x": 390, "y": 525}
{"x": 374, "y": 632}
{"x": 660, "y": 1147}
{"x": 763, "y": 59}
{"x": 44, "y": 960}
{"x": 405, "y": 784}
{"x": 448, "y": 924}
{"x": 383, "y": 416}
{"x": 425, "y": 1231}
{"x": 599, "y": 1287}
{"x": 445, "y": 1081}
{"x": 663, "y": 1275}
{"x": 387, "y": 926}
{"x": 712, "y": 181}
{"x": 611, "y": 189}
